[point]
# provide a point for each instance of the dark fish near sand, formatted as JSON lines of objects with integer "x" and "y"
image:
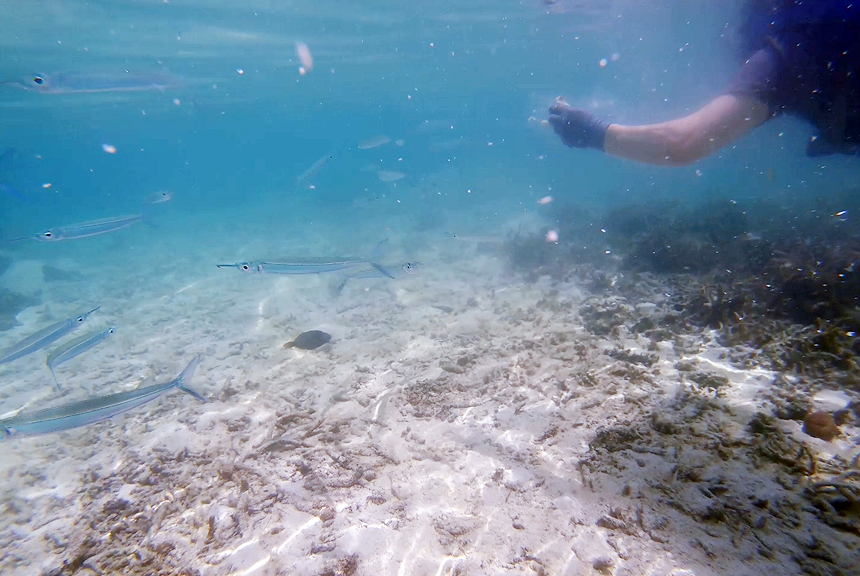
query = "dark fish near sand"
{"x": 309, "y": 340}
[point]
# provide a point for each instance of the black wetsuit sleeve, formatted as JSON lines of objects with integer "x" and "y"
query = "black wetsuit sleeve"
{"x": 759, "y": 78}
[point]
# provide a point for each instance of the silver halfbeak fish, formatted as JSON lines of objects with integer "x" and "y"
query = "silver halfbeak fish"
{"x": 43, "y": 337}
{"x": 72, "y": 348}
{"x": 313, "y": 265}
{"x": 84, "y": 229}
{"x": 302, "y": 266}
{"x": 373, "y": 272}
{"x": 378, "y": 272}
{"x": 89, "y": 83}
{"x": 92, "y": 410}
{"x": 312, "y": 171}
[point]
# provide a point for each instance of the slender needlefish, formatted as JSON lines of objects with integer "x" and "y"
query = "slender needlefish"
{"x": 313, "y": 265}
{"x": 43, "y": 337}
{"x": 299, "y": 266}
{"x": 92, "y": 410}
{"x": 312, "y": 171}
{"x": 374, "y": 272}
{"x": 84, "y": 229}
{"x": 72, "y": 348}
{"x": 88, "y": 83}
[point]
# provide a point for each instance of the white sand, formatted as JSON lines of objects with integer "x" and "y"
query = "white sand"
{"x": 445, "y": 430}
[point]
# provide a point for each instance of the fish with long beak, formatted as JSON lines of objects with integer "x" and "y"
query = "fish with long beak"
{"x": 43, "y": 337}
{"x": 91, "y": 83}
{"x": 84, "y": 229}
{"x": 92, "y": 410}
{"x": 313, "y": 265}
{"x": 73, "y": 348}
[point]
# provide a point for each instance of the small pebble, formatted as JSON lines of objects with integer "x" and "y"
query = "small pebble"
{"x": 602, "y": 564}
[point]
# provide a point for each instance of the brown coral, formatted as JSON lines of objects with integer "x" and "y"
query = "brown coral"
{"x": 820, "y": 424}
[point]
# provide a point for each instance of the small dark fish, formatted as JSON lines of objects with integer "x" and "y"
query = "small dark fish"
{"x": 309, "y": 340}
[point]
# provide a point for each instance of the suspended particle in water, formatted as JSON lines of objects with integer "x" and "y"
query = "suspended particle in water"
{"x": 552, "y": 236}
{"x": 304, "y": 54}
{"x": 46, "y": 185}
{"x": 615, "y": 57}
{"x": 603, "y": 62}
{"x": 109, "y": 148}
{"x": 302, "y": 71}
{"x": 177, "y": 102}
{"x": 239, "y": 71}
{"x": 545, "y": 200}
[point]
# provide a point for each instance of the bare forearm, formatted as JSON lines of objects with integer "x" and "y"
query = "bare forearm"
{"x": 653, "y": 144}
{"x": 686, "y": 140}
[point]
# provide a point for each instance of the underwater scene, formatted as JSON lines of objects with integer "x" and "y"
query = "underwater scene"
{"x": 379, "y": 288}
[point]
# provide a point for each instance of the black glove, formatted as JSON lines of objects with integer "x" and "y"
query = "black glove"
{"x": 577, "y": 128}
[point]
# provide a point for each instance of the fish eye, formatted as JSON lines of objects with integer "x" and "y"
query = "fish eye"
{"x": 48, "y": 234}
{"x": 246, "y": 267}
{"x": 38, "y": 80}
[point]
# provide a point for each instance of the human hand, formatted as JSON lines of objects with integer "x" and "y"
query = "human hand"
{"x": 577, "y": 128}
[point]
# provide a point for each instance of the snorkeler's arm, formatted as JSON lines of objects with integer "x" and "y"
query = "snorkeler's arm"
{"x": 688, "y": 139}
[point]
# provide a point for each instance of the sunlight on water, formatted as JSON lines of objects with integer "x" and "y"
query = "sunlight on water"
{"x": 533, "y": 287}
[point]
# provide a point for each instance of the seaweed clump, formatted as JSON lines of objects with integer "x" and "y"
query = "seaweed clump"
{"x": 780, "y": 278}
{"x": 665, "y": 238}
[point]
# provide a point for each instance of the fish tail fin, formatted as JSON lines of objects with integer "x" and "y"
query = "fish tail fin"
{"x": 57, "y": 386}
{"x": 377, "y": 254}
{"x": 182, "y": 379}
{"x": 146, "y": 214}
{"x": 337, "y": 288}
{"x": 379, "y": 250}
{"x": 382, "y": 269}
{"x": 12, "y": 191}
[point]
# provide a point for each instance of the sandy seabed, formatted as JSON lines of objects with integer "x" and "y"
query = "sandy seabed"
{"x": 462, "y": 421}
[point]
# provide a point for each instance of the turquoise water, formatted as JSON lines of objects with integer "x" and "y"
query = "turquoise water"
{"x": 418, "y": 122}
{"x": 448, "y": 79}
